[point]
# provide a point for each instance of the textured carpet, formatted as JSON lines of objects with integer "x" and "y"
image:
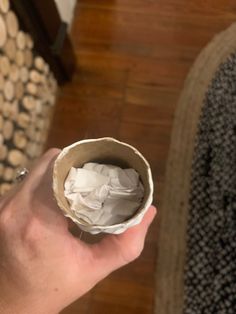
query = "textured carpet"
{"x": 196, "y": 237}
{"x": 210, "y": 278}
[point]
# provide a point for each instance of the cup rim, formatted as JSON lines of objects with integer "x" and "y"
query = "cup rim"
{"x": 102, "y": 227}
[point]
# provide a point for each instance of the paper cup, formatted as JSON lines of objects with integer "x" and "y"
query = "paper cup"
{"x": 107, "y": 151}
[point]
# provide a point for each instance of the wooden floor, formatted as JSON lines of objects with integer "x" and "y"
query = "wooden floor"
{"x": 133, "y": 57}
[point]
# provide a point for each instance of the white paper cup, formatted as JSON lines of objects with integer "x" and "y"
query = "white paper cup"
{"x": 107, "y": 151}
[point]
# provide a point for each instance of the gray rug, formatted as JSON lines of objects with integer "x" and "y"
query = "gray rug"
{"x": 210, "y": 278}
{"x": 196, "y": 241}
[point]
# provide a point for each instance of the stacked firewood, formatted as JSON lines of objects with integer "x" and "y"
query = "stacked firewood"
{"x": 27, "y": 95}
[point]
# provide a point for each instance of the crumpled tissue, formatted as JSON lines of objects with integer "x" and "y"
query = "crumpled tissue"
{"x": 103, "y": 194}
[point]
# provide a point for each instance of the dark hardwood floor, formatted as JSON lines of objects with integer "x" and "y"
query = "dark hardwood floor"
{"x": 133, "y": 57}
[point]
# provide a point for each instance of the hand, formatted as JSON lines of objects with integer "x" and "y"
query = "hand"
{"x": 43, "y": 267}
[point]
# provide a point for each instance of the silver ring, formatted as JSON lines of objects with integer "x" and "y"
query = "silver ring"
{"x": 21, "y": 174}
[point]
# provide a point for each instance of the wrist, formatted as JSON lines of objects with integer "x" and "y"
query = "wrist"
{"x": 14, "y": 300}
{"x": 11, "y": 305}
{"x": 16, "y": 308}
{"x": 17, "y": 300}
{"x": 8, "y": 307}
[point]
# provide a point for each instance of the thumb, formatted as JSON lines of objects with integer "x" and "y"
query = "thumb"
{"x": 115, "y": 251}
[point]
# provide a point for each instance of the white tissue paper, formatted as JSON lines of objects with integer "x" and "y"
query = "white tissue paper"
{"x": 103, "y": 194}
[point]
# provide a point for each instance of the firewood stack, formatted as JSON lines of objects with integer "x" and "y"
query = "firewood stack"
{"x": 27, "y": 96}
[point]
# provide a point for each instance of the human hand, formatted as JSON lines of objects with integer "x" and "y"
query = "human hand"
{"x": 43, "y": 267}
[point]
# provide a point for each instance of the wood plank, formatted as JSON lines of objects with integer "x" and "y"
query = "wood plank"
{"x": 150, "y": 115}
{"x": 98, "y": 91}
{"x": 133, "y": 27}
{"x": 135, "y": 297}
{"x": 203, "y": 7}
{"x": 152, "y": 96}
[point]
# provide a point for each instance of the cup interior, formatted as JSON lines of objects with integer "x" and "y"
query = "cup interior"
{"x": 106, "y": 151}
